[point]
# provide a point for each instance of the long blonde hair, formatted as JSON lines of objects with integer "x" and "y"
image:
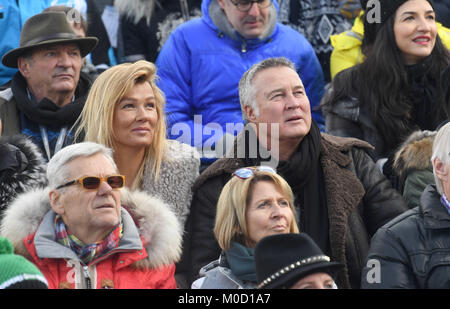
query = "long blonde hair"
{"x": 96, "y": 120}
{"x": 231, "y": 224}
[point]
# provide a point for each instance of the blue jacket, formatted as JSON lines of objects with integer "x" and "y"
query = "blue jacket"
{"x": 201, "y": 64}
{"x": 13, "y": 15}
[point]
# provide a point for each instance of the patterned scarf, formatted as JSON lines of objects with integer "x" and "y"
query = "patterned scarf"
{"x": 90, "y": 252}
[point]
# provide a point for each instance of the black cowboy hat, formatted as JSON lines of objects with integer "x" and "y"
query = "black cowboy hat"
{"x": 283, "y": 259}
{"x": 45, "y": 29}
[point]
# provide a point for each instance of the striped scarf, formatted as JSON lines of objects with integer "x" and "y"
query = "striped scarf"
{"x": 90, "y": 252}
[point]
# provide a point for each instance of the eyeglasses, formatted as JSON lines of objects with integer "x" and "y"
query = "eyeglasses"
{"x": 93, "y": 182}
{"x": 245, "y": 6}
{"x": 247, "y": 172}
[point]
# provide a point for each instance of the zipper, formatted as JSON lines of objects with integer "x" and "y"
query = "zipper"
{"x": 244, "y": 46}
{"x": 86, "y": 276}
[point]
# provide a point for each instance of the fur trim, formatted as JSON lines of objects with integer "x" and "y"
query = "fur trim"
{"x": 415, "y": 152}
{"x": 23, "y": 217}
{"x": 179, "y": 170}
{"x": 158, "y": 226}
{"x": 30, "y": 173}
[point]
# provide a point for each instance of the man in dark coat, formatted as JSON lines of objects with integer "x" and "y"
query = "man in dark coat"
{"x": 341, "y": 196}
{"x": 48, "y": 92}
{"x": 412, "y": 251}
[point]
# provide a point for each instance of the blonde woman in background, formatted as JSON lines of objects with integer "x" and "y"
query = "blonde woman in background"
{"x": 256, "y": 202}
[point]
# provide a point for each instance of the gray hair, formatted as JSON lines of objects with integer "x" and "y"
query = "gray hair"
{"x": 57, "y": 171}
{"x": 441, "y": 150}
{"x": 247, "y": 92}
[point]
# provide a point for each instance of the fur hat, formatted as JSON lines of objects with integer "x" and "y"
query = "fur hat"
{"x": 283, "y": 259}
{"x": 45, "y": 29}
{"x": 16, "y": 272}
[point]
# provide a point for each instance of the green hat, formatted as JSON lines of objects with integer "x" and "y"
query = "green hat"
{"x": 47, "y": 28}
{"x": 16, "y": 272}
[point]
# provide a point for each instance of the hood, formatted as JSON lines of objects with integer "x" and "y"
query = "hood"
{"x": 415, "y": 153}
{"x": 215, "y": 18}
{"x": 158, "y": 226}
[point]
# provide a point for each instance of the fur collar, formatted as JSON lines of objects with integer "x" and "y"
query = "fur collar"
{"x": 158, "y": 226}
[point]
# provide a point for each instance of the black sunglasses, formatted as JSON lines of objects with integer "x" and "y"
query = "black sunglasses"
{"x": 93, "y": 182}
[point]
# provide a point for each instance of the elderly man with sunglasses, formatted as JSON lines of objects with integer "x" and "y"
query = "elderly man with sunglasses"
{"x": 341, "y": 196}
{"x": 81, "y": 230}
{"x": 202, "y": 61}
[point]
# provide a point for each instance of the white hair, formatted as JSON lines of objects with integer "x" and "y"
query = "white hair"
{"x": 247, "y": 93}
{"x": 57, "y": 172}
{"x": 441, "y": 151}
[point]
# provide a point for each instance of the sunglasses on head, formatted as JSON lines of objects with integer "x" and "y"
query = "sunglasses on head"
{"x": 247, "y": 172}
{"x": 93, "y": 182}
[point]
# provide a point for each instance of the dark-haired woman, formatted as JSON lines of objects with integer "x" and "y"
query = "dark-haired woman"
{"x": 403, "y": 84}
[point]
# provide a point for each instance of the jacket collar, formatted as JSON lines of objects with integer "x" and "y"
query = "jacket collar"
{"x": 216, "y": 19}
{"x": 435, "y": 216}
{"x": 46, "y": 247}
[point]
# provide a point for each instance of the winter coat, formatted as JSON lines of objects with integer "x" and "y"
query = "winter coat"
{"x": 178, "y": 172}
{"x": 349, "y": 118}
{"x": 203, "y": 60}
{"x": 412, "y": 163}
{"x": 144, "y": 257}
{"x": 347, "y": 46}
{"x": 146, "y": 25}
{"x": 411, "y": 251}
{"x": 21, "y": 168}
{"x": 44, "y": 113}
{"x": 218, "y": 275}
{"x": 359, "y": 198}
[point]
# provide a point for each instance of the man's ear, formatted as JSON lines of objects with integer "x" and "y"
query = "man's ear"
{"x": 440, "y": 169}
{"x": 249, "y": 111}
{"x": 222, "y": 4}
{"x": 24, "y": 66}
{"x": 55, "y": 197}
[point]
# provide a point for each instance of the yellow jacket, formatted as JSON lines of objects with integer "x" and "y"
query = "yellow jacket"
{"x": 347, "y": 46}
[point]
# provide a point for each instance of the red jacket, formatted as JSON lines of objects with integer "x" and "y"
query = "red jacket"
{"x": 115, "y": 270}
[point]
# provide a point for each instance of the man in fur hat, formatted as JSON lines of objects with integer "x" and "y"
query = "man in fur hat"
{"x": 48, "y": 92}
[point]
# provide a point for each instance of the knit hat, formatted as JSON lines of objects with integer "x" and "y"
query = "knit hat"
{"x": 16, "y": 272}
{"x": 283, "y": 259}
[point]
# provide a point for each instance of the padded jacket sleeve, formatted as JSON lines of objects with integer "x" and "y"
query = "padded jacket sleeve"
{"x": 382, "y": 203}
{"x": 387, "y": 264}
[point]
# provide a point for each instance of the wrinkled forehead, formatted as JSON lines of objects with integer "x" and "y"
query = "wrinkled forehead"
{"x": 274, "y": 77}
{"x": 97, "y": 164}
{"x": 56, "y": 47}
